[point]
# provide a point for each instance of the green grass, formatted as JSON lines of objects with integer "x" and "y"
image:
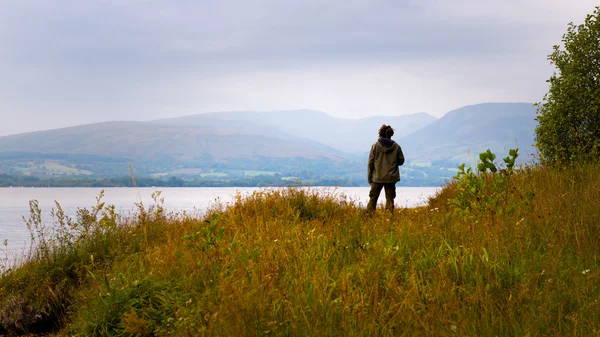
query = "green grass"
{"x": 53, "y": 168}
{"x": 292, "y": 262}
{"x": 259, "y": 173}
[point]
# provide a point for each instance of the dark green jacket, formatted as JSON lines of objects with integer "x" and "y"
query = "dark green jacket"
{"x": 384, "y": 159}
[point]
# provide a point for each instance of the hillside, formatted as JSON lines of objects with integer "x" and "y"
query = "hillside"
{"x": 151, "y": 141}
{"x": 292, "y": 262}
{"x": 232, "y": 146}
{"x": 158, "y": 150}
{"x": 473, "y": 129}
{"x": 348, "y": 135}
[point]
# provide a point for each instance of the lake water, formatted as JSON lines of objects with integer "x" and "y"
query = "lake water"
{"x": 14, "y": 203}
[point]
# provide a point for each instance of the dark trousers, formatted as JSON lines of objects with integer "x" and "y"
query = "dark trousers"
{"x": 390, "y": 195}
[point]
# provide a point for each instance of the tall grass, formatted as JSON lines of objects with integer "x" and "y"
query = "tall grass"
{"x": 295, "y": 262}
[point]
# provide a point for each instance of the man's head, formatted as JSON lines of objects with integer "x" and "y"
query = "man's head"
{"x": 386, "y": 131}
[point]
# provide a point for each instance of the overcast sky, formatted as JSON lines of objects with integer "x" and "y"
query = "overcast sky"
{"x": 70, "y": 62}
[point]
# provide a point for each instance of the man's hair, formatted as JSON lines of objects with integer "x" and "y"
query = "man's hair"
{"x": 386, "y": 131}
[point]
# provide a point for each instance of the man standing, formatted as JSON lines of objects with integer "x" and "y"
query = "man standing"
{"x": 384, "y": 159}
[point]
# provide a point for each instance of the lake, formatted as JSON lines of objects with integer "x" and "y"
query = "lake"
{"x": 14, "y": 203}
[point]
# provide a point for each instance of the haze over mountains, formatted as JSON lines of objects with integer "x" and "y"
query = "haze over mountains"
{"x": 348, "y": 135}
{"x": 146, "y": 140}
{"x": 227, "y": 144}
{"x": 474, "y": 128}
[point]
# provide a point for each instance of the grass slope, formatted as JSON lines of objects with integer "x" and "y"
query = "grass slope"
{"x": 295, "y": 263}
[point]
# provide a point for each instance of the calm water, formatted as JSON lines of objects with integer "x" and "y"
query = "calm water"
{"x": 14, "y": 203}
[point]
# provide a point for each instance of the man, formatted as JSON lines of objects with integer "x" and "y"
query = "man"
{"x": 384, "y": 159}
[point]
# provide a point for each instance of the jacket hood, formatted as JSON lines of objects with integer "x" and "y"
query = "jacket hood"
{"x": 386, "y": 143}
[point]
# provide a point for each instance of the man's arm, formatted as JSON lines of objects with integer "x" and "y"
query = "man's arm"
{"x": 371, "y": 165}
{"x": 400, "y": 157}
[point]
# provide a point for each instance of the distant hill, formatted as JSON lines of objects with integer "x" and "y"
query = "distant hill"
{"x": 348, "y": 135}
{"x": 473, "y": 128}
{"x": 286, "y": 145}
{"x": 161, "y": 150}
{"x": 144, "y": 140}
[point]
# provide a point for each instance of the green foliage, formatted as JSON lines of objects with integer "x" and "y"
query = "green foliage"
{"x": 38, "y": 294}
{"x": 490, "y": 194}
{"x": 126, "y": 306}
{"x": 487, "y": 162}
{"x": 569, "y": 117}
{"x": 207, "y": 236}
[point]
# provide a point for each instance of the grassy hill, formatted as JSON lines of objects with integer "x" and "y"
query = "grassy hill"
{"x": 521, "y": 260}
{"x": 104, "y": 149}
{"x": 148, "y": 140}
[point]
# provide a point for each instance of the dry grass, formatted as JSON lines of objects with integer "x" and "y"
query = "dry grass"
{"x": 293, "y": 262}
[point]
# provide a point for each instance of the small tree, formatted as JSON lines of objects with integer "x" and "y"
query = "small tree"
{"x": 569, "y": 117}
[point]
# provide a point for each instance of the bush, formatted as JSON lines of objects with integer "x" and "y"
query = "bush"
{"x": 569, "y": 116}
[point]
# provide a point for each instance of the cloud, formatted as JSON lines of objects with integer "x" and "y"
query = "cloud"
{"x": 68, "y": 62}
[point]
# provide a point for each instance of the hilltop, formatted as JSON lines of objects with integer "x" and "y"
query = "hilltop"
{"x": 155, "y": 141}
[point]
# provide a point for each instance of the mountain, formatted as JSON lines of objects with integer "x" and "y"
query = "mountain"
{"x": 309, "y": 144}
{"x": 146, "y": 140}
{"x": 347, "y": 135}
{"x": 473, "y": 129}
{"x": 104, "y": 149}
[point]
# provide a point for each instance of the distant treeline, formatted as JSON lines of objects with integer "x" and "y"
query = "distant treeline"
{"x": 257, "y": 181}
